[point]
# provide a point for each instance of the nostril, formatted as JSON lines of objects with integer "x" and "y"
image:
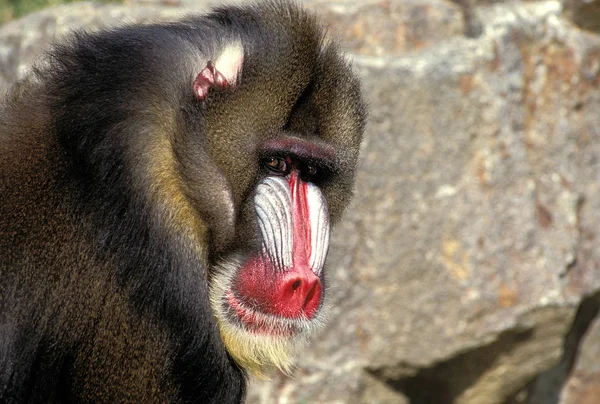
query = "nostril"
{"x": 298, "y": 294}
{"x": 312, "y": 299}
{"x": 310, "y": 295}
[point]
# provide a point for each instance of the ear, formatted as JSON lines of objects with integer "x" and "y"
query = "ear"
{"x": 225, "y": 71}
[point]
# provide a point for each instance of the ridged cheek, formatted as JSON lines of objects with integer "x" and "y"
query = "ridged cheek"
{"x": 277, "y": 203}
{"x": 273, "y": 203}
{"x": 320, "y": 227}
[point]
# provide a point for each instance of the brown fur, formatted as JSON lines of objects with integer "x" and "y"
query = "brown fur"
{"x": 123, "y": 200}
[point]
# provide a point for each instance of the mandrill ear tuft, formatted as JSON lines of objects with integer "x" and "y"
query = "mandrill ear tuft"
{"x": 224, "y": 72}
{"x": 230, "y": 62}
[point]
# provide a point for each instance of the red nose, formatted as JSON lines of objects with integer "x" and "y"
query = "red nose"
{"x": 297, "y": 293}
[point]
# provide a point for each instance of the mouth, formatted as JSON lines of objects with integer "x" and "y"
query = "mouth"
{"x": 257, "y": 322}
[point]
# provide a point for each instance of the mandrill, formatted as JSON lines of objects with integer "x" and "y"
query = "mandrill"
{"x": 166, "y": 197}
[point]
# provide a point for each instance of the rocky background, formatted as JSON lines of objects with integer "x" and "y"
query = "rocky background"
{"x": 468, "y": 268}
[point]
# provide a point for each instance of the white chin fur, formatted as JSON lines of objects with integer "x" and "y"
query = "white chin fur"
{"x": 254, "y": 351}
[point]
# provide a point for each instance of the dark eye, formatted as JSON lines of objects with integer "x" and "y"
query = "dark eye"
{"x": 311, "y": 170}
{"x": 277, "y": 165}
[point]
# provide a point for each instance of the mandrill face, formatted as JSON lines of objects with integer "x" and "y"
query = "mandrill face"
{"x": 268, "y": 303}
{"x": 290, "y": 133}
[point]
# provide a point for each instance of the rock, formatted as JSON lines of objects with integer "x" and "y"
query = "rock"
{"x": 392, "y": 28}
{"x": 584, "y": 13}
{"x": 458, "y": 272}
{"x": 583, "y": 386}
{"x": 576, "y": 378}
{"x": 466, "y": 245}
{"x": 22, "y": 41}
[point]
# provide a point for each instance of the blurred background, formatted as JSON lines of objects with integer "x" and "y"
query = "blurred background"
{"x": 467, "y": 269}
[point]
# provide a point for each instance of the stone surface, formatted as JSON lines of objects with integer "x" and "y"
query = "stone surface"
{"x": 393, "y": 27}
{"x": 583, "y": 386}
{"x": 583, "y": 13}
{"x": 575, "y": 378}
{"x": 23, "y": 40}
{"x": 458, "y": 271}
